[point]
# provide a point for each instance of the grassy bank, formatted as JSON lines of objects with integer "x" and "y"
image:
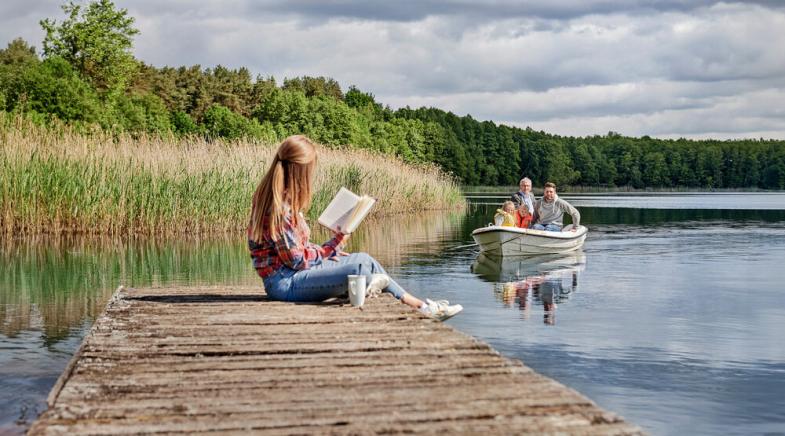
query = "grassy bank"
{"x": 54, "y": 180}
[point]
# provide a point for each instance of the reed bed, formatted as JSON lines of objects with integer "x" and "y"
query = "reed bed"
{"x": 56, "y": 180}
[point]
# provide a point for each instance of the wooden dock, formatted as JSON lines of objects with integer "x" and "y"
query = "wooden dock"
{"x": 217, "y": 359}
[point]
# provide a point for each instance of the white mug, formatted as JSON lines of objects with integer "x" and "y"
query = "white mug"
{"x": 356, "y": 289}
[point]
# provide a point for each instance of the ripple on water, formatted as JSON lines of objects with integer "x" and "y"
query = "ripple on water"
{"x": 674, "y": 320}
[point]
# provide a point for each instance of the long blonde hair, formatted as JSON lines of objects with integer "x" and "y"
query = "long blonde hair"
{"x": 288, "y": 181}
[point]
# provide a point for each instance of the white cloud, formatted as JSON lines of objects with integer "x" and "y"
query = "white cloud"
{"x": 575, "y": 67}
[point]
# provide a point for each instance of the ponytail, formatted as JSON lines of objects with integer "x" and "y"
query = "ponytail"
{"x": 286, "y": 183}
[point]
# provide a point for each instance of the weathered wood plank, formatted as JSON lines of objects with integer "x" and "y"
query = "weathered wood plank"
{"x": 219, "y": 359}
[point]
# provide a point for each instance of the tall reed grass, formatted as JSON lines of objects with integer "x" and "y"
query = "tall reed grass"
{"x": 55, "y": 180}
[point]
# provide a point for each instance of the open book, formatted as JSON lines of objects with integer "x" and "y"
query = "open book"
{"x": 346, "y": 211}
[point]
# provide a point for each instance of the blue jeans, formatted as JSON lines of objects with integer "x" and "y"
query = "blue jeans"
{"x": 325, "y": 280}
{"x": 547, "y": 227}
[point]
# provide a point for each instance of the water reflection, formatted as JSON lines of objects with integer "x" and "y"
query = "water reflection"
{"x": 55, "y": 284}
{"x": 496, "y": 269}
{"x": 546, "y": 280}
{"x": 393, "y": 240}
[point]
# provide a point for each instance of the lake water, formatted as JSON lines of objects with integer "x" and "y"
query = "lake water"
{"x": 672, "y": 315}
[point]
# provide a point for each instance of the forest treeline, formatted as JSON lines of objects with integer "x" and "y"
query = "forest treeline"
{"x": 87, "y": 77}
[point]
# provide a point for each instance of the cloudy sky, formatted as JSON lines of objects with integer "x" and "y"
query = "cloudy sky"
{"x": 668, "y": 68}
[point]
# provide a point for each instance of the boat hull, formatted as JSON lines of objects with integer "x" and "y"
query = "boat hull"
{"x": 513, "y": 241}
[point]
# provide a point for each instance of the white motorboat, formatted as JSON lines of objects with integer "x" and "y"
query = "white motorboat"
{"x": 514, "y": 241}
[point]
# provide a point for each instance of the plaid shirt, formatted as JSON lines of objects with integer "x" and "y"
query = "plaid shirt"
{"x": 292, "y": 250}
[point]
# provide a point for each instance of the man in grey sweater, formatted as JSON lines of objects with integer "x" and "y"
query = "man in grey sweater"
{"x": 549, "y": 210}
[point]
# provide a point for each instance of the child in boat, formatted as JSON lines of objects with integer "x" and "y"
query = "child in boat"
{"x": 523, "y": 218}
{"x": 505, "y": 216}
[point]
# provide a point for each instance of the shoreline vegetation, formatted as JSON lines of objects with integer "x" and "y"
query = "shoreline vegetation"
{"x": 56, "y": 180}
{"x": 566, "y": 190}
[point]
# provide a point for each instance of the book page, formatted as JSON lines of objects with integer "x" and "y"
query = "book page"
{"x": 339, "y": 210}
{"x": 364, "y": 206}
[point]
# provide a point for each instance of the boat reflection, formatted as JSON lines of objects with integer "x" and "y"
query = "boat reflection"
{"x": 546, "y": 280}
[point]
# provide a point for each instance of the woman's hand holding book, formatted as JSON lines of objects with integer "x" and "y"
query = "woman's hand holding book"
{"x": 339, "y": 249}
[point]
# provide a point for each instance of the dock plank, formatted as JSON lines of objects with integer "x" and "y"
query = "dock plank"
{"x": 227, "y": 360}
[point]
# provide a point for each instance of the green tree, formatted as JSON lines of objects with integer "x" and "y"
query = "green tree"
{"x": 364, "y": 103}
{"x": 142, "y": 113}
{"x": 411, "y": 146}
{"x": 749, "y": 166}
{"x": 358, "y": 99}
{"x": 773, "y": 174}
{"x": 262, "y": 88}
{"x": 219, "y": 121}
{"x": 314, "y": 86}
{"x": 557, "y": 163}
{"x": 532, "y": 152}
{"x": 16, "y": 61}
{"x": 54, "y": 87}
{"x": 97, "y": 41}
{"x": 331, "y": 121}
{"x": 583, "y": 161}
{"x": 18, "y": 52}
{"x": 231, "y": 88}
{"x": 655, "y": 170}
{"x": 709, "y": 165}
{"x": 287, "y": 111}
{"x": 183, "y": 124}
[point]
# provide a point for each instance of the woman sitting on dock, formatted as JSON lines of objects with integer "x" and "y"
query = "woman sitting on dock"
{"x": 294, "y": 269}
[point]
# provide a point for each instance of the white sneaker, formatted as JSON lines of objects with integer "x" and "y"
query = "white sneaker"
{"x": 378, "y": 283}
{"x": 441, "y": 310}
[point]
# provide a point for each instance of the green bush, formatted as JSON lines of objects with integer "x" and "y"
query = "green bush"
{"x": 15, "y": 63}
{"x": 366, "y": 104}
{"x": 286, "y": 111}
{"x": 331, "y": 121}
{"x": 54, "y": 87}
{"x": 141, "y": 113}
{"x": 183, "y": 123}
{"x": 220, "y": 122}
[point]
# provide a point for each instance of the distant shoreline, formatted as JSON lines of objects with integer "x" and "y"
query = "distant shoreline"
{"x": 617, "y": 190}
